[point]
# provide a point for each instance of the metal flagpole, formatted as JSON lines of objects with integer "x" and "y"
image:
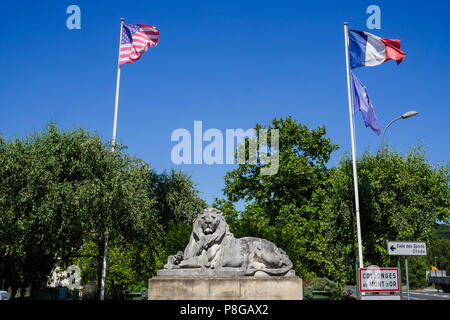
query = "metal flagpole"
{"x": 352, "y": 133}
{"x": 407, "y": 278}
{"x": 116, "y": 109}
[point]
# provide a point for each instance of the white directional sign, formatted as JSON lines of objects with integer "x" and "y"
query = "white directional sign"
{"x": 402, "y": 248}
{"x": 378, "y": 279}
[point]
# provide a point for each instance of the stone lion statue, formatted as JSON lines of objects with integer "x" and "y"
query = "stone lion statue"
{"x": 212, "y": 246}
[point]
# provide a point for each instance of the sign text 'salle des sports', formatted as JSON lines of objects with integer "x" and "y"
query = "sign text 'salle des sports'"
{"x": 403, "y": 248}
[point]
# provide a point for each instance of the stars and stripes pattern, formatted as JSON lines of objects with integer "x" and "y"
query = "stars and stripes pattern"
{"x": 136, "y": 39}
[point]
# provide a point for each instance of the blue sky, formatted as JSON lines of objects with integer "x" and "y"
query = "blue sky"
{"x": 230, "y": 64}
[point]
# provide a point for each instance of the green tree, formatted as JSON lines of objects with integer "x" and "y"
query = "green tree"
{"x": 439, "y": 253}
{"x": 61, "y": 190}
{"x": 401, "y": 198}
{"x": 129, "y": 262}
{"x": 308, "y": 209}
{"x": 443, "y": 231}
{"x": 175, "y": 202}
{"x": 176, "y": 197}
{"x": 283, "y": 207}
{"x": 417, "y": 267}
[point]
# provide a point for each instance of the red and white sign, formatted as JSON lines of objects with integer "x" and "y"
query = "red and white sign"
{"x": 381, "y": 297}
{"x": 378, "y": 279}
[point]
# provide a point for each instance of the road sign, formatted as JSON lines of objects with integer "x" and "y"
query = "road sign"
{"x": 381, "y": 297}
{"x": 402, "y": 248}
{"x": 378, "y": 279}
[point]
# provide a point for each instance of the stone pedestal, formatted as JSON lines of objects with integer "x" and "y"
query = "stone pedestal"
{"x": 225, "y": 288}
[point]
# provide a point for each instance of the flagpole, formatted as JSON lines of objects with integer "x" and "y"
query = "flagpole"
{"x": 116, "y": 110}
{"x": 352, "y": 134}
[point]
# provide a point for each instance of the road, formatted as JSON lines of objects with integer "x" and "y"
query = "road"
{"x": 426, "y": 294}
{"x": 420, "y": 294}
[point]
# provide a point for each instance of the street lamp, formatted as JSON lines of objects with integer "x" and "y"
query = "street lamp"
{"x": 406, "y": 115}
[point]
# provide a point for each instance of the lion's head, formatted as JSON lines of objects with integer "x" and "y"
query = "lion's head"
{"x": 210, "y": 228}
{"x": 209, "y": 221}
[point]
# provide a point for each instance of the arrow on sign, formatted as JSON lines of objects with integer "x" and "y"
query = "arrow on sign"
{"x": 392, "y": 248}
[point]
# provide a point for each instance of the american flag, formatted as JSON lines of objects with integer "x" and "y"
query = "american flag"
{"x": 136, "y": 39}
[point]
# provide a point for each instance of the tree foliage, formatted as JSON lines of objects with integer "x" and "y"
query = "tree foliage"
{"x": 61, "y": 190}
{"x": 401, "y": 198}
{"x": 308, "y": 209}
{"x": 439, "y": 253}
{"x": 132, "y": 261}
{"x": 176, "y": 198}
{"x": 282, "y": 207}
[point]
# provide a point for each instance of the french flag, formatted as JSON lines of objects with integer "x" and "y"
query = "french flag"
{"x": 367, "y": 50}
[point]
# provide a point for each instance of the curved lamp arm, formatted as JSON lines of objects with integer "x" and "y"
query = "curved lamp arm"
{"x": 382, "y": 137}
{"x": 403, "y": 116}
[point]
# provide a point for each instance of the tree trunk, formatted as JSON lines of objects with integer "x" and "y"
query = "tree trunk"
{"x": 101, "y": 248}
{"x": 13, "y": 292}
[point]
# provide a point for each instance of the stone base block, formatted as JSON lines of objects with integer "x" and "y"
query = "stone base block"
{"x": 226, "y": 288}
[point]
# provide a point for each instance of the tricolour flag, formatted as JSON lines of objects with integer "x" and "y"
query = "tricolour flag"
{"x": 136, "y": 39}
{"x": 366, "y": 49}
{"x": 361, "y": 102}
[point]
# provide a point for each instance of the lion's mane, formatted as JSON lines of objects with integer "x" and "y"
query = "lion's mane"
{"x": 200, "y": 241}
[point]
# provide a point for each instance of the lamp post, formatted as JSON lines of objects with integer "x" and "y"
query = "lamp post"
{"x": 406, "y": 115}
